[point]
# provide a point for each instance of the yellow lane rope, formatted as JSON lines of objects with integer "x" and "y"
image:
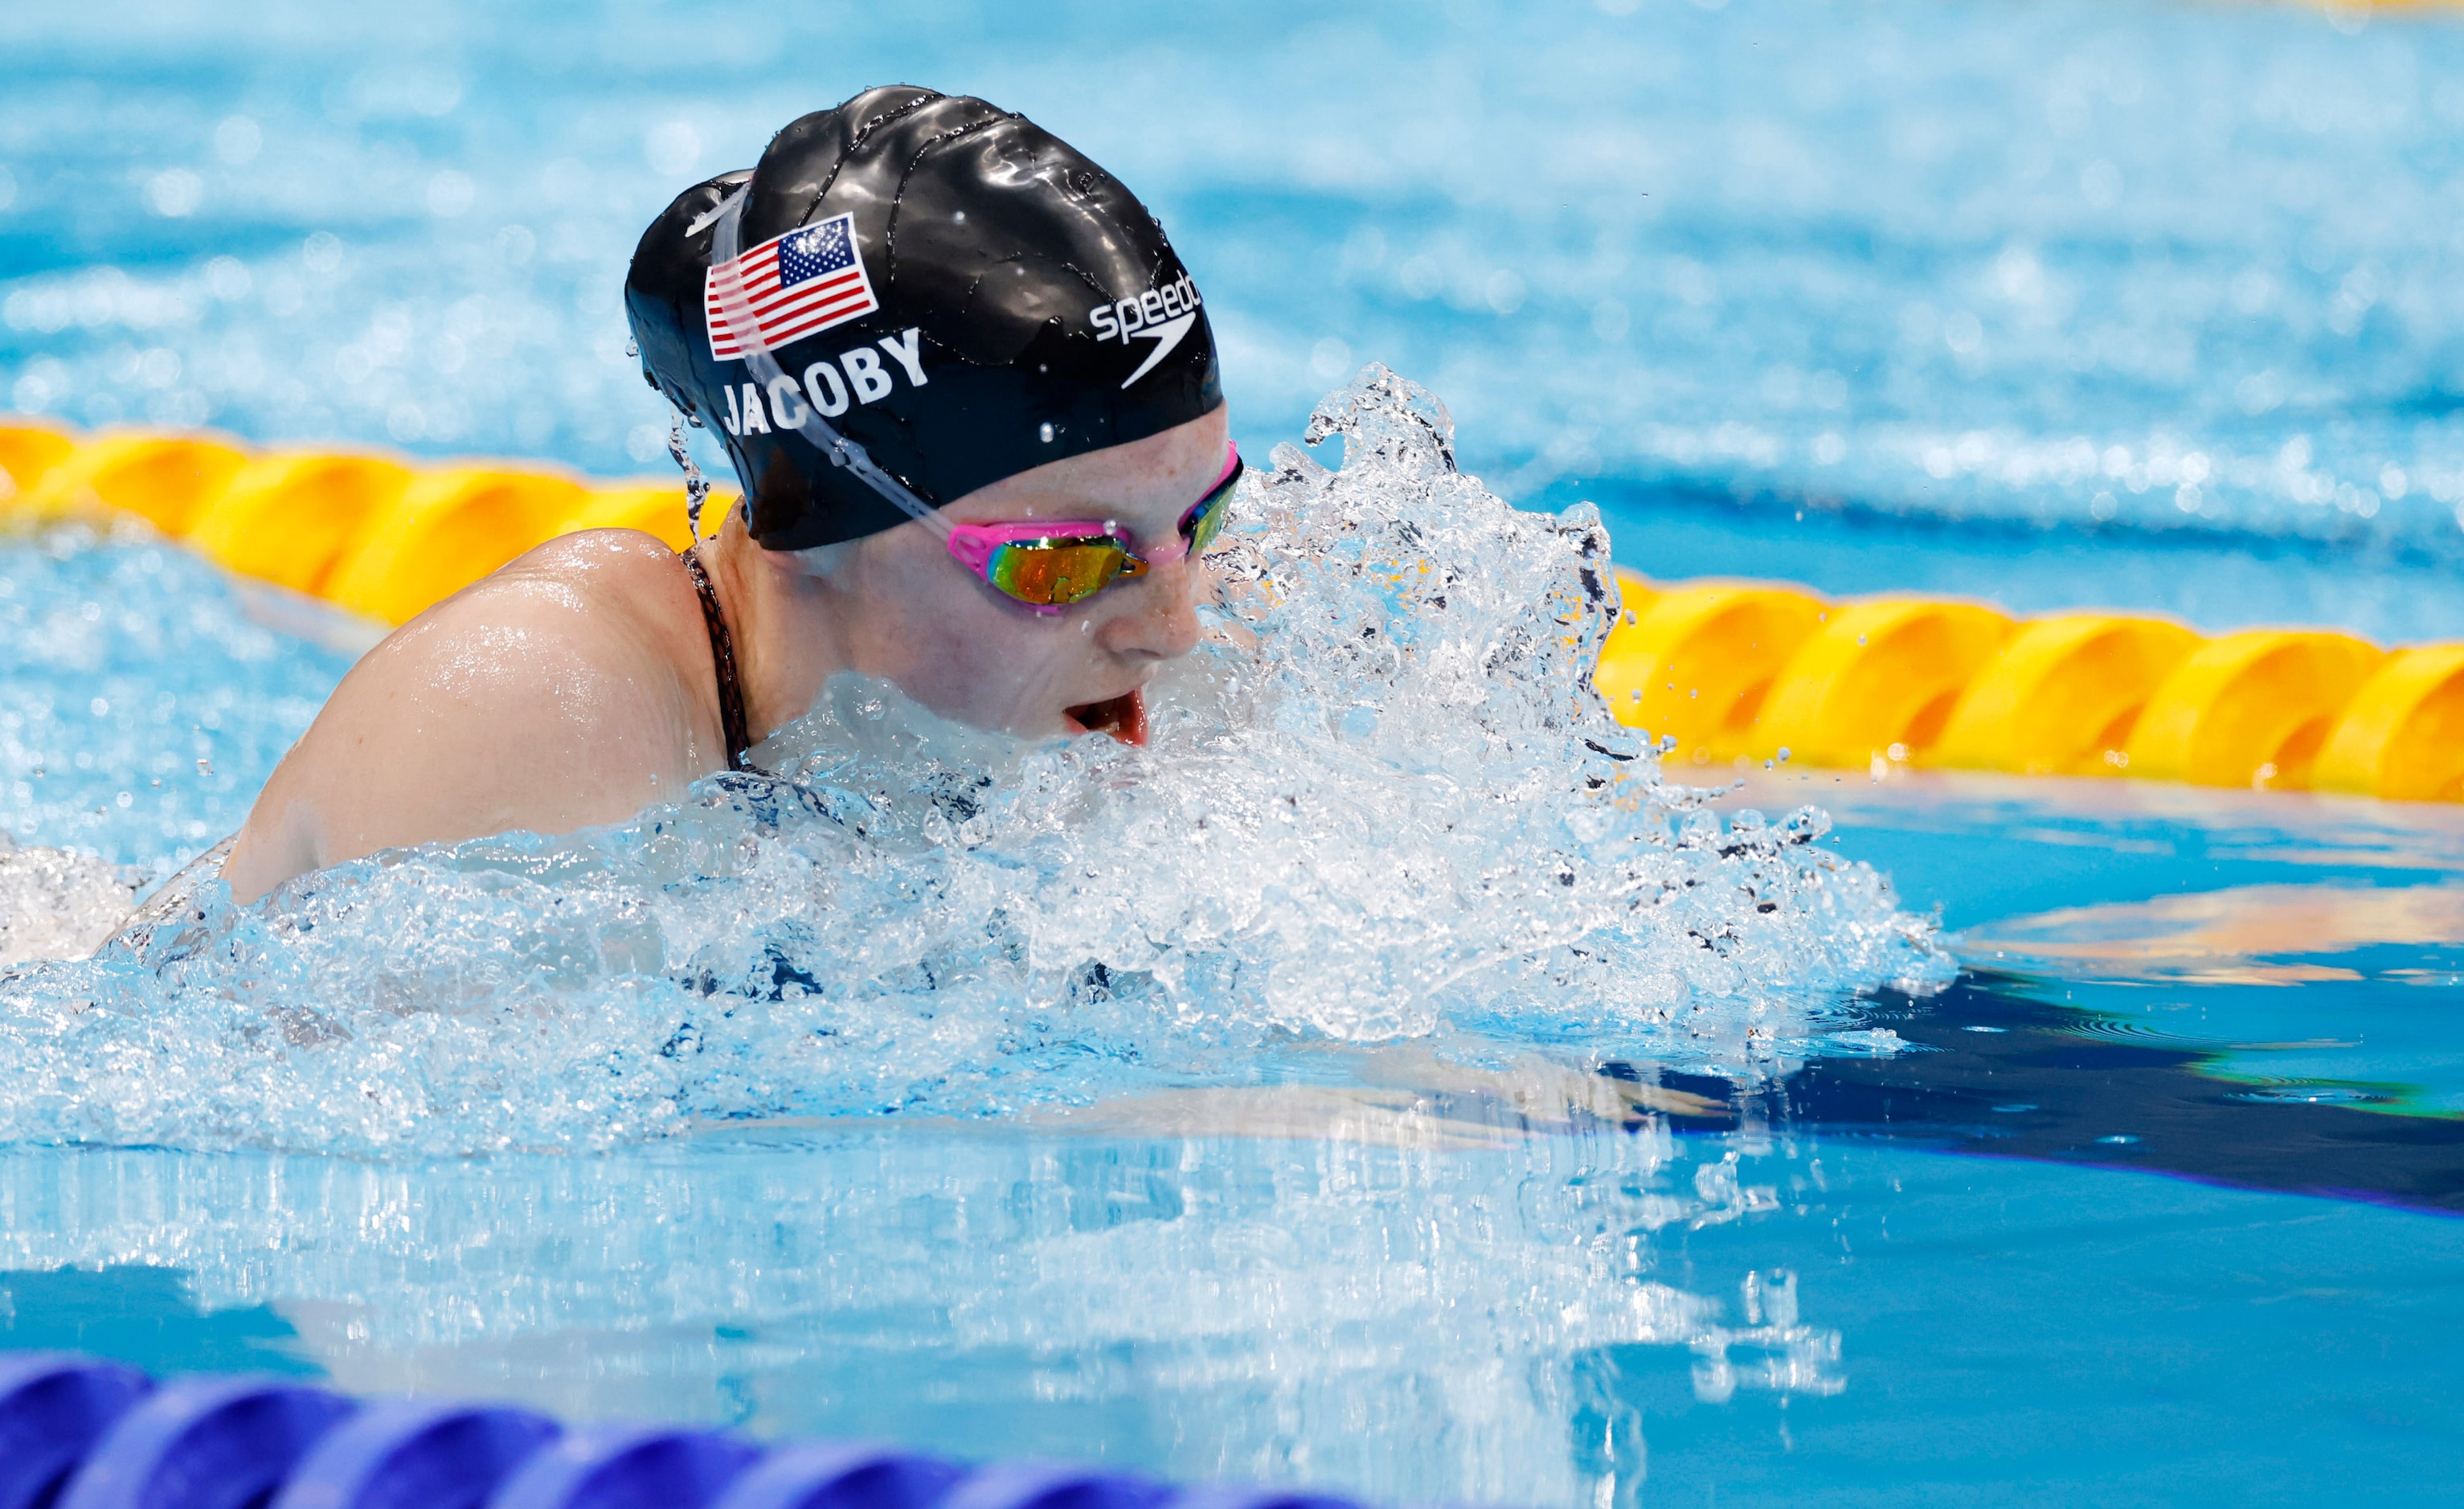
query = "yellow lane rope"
{"x": 372, "y": 533}
{"x": 1724, "y": 671}
{"x": 1718, "y": 671}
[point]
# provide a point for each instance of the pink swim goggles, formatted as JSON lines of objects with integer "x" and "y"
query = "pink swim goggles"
{"x": 1049, "y": 566}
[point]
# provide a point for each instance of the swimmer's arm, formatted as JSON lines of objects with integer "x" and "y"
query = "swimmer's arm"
{"x": 495, "y": 712}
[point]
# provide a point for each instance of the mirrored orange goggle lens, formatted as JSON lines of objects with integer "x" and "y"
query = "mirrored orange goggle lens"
{"x": 1050, "y": 574}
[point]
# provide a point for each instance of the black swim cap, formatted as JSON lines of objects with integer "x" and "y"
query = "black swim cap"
{"x": 948, "y": 296}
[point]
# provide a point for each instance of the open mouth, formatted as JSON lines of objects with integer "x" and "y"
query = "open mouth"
{"x": 1124, "y": 717}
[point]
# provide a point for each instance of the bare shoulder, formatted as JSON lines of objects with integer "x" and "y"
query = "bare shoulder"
{"x": 625, "y": 560}
{"x": 552, "y": 640}
{"x": 618, "y": 579}
{"x": 566, "y": 689}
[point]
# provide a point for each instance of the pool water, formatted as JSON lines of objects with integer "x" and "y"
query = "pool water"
{"x": 1368, "y": 1153}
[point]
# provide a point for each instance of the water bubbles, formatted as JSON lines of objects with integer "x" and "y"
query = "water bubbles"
{"x": 450, "y": 194}
{"x": 321, "y": 253}
{"x": 431, "y": 92}
{"x": 237, "y": 140}
{"x": 227, "y": 279}
{"x": 516, "y": 245}
{"x": 2101, "y": 184}
{"x": 2019, "y": 276}
{"x": 697, "y": 486}
{"x": 124, "y": 696}
{"x": 1379, "y": 804}
{"x": 672, "y": 149}
{"x": 175, "y": 193}
{"x": 57, "y": 905}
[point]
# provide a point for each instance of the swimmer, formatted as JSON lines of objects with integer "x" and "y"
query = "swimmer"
{"x": 971, "y": 396}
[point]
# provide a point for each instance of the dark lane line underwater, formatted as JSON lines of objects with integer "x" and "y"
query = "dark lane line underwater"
{"x": 2259, "y": 996}
{"x": 2002, "y": 1072}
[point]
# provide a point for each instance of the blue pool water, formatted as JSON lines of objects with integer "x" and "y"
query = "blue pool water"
{"x": 1366, "y": 1154}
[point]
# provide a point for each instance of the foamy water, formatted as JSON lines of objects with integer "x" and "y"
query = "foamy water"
{"x": 1380, "y": 804}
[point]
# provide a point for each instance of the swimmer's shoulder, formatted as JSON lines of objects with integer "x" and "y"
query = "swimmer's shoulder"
{"x": 616, "y": 576}
{"x": 593, "y": 625}
{"x": 567, "y": 689}
{"x": 613, "y": 598}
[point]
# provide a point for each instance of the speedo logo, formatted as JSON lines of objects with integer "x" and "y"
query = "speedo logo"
{"x": 1160, "y": 315}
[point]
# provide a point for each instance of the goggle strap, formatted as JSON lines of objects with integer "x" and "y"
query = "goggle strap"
{"x": 725, "y": 237}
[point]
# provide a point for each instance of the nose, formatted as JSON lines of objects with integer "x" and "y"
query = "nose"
{"x": 1157, "y": 616}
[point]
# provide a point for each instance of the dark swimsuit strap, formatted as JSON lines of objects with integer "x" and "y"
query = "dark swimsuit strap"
{"x": 722, "y": 657}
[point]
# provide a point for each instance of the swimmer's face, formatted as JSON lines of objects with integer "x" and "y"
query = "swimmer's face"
{"x": 968, "y": 653}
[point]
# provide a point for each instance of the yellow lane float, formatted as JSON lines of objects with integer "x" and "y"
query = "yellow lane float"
{"x": 1727, "y": 670}
{"x": 28, "y": 451}
{"x": 2401, "y": 735}
{"x": 654, "y": 508}
{"x": 446, "y": 530}
{"x": 166, "y": 480}
{"x": 1878, "y": 679}
{"x": 2251, "y": 708}
{"x": 1702, "y": 656}
{"x": 372, "y": 533}
{"x": 2062, "y": 695}
{"x": 287, "y": 518}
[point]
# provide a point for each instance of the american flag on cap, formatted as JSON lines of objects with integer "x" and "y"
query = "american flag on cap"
{"x": 787, "y": 288}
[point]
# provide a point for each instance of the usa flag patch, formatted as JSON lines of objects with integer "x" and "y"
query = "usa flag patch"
{"x": 787, "y": 288}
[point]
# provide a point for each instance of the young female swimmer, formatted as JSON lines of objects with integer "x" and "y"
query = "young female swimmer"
{"x": 972, "y": 399}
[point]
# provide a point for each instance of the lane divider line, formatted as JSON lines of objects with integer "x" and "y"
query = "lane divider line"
{"x": 1723, "y": 671}
{"x": 78, "y": 1432}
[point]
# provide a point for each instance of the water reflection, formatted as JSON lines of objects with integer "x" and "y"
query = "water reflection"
{"x": 1409, "y": 1321}
{"x": 2236, "y": 935}
{"x": 2010, "y": 1073}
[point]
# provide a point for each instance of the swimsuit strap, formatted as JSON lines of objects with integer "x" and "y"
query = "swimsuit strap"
{"x": 722, "y": 657}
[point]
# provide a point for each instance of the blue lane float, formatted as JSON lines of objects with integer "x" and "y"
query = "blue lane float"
{"x": 408, "y": 1454}
{"x": 53, "y": 1410}
{"x": 78, "y": 1432}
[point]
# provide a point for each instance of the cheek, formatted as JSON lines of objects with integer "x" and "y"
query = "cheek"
{"x": 954, "y": 648}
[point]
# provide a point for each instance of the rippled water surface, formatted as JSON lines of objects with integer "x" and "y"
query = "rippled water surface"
{"x": 1390, "y": 1079}
{"x": 2188, "y": 270}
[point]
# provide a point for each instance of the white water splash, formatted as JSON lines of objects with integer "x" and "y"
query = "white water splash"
{"x": 1382, "y": 803}
{"x": 55, "y": 904}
